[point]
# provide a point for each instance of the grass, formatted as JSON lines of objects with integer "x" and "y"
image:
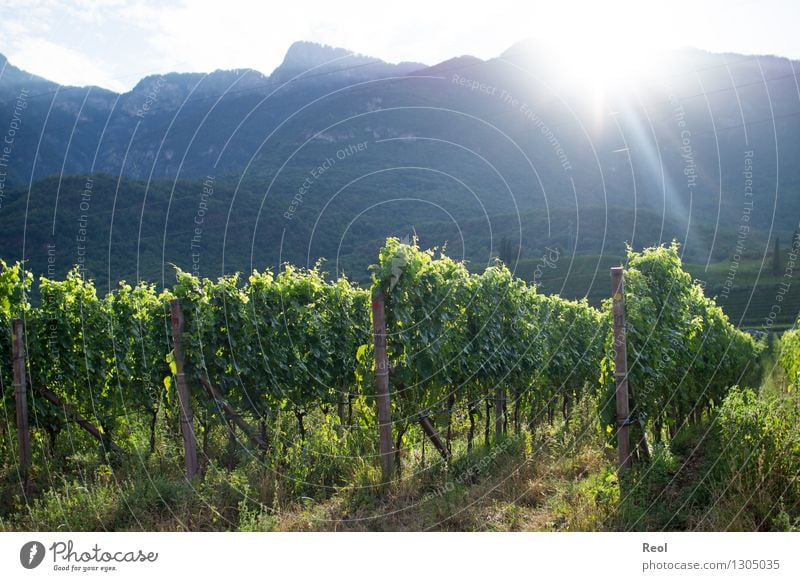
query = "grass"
{"x": 559, "y": 477}
{"x": 549, "y": 480}
{"x": 518, "y": 490}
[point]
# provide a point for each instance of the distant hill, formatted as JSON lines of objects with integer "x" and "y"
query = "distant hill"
{"x": 333, "y": 151}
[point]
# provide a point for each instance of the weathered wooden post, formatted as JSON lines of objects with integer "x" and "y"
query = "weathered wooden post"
{"x": 21, "y": 399}
{"x": 431, "y": 432}
{"x": 499, "y": 397}
{"x": 187, "y": 427}
{"x": 340, "y": 408}
{"x": 382, "y": 386}
{"x": 621, "y": 366}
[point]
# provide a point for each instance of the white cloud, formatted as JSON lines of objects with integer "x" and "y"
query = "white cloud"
{"x": 203, "y": 36}
{"x": 61, "y": 64}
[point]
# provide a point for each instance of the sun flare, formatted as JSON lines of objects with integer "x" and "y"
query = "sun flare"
{"x": 602, "y": 49}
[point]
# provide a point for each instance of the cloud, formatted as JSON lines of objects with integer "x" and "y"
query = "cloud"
{"x": 203, "y": 36}
{"x": 62, "y": 65}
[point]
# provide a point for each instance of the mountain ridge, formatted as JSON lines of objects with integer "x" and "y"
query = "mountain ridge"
{"x": 300, "y": 56}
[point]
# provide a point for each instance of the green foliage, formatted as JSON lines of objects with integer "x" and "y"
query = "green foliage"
{"x": 425, "y": 301}
{"x": 789, "y": 357}
{"x": 683, "y": 353}
{"x": 760, "y": 446}
{"x": 455, "y": 338}
{"x": 285, "y": 341}
{"x": 15, "y": 284}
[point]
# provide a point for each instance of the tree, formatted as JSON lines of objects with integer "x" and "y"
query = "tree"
{"x": 508, "y": 253}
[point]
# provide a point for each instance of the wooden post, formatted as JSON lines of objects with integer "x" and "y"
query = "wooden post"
{"x": 187, "y": 428}
{"x": 427, "y": 427}
{"x": 382, "y": 386}
{"x": 233, "y": 415}
{"x": 621, "y": 366}
{"x": 431, "y": 432}
{"x": 73, "y": 415}
{"x": 21, "y": 399}
{"x": 499, "y": 396}
{"x": 340, "y": 406}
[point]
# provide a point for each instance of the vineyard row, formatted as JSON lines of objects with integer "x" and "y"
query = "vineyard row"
{"x": 440, "y": 339}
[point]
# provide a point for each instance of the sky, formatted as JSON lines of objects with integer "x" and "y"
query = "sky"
{"x": 114, "y": 43}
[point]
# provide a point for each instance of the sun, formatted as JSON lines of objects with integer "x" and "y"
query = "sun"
{"x": 603, "y": 63}
{"x": 601, "y": 46}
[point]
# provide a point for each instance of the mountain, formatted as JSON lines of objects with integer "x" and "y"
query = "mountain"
{"x": 309, "y": 60}
{"x": 333, "y": 151}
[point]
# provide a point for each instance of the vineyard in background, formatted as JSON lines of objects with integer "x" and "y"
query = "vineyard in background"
{"x": 286, "y": 402}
